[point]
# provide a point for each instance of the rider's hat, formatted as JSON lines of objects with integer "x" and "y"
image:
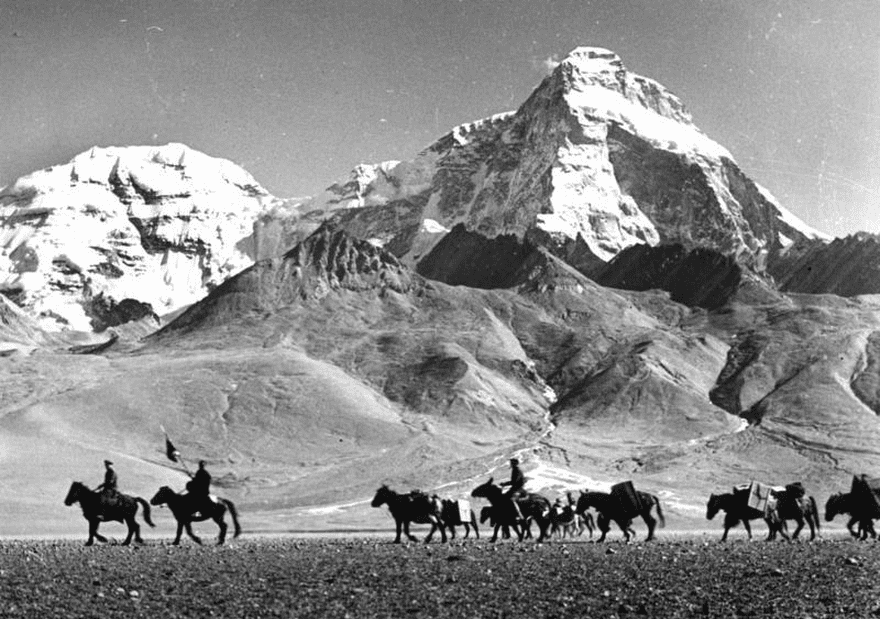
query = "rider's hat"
{"x": 514, "y": 461}
{"x": 108, "y": 463}
{"x": 202, "y": 463}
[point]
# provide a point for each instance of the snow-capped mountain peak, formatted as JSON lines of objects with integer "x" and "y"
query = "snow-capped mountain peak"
{"x": 153, "y": 226}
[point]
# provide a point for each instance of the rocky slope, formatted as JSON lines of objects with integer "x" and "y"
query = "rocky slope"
{"x": 846, "y": 266}
{"x": 119, "y": 234}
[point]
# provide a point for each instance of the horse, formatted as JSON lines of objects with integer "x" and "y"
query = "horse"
{"x": 565, "y": 520}
{"x": 184, "y": 509}
{"x": 98, "y": 507}
{"x": 487, "y": 515}
{"x": 791, "y": 505}
{"x": 610, "y": 509}
{"x": 451, "y": 516}
{"x": 736, "y": 510}
{"x": 515, "y": 515}
{"x": 415, "y": 507}
{"x": 844, "y": 503}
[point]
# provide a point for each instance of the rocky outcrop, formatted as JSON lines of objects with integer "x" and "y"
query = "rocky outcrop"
{"x": 464, "y": 258}
{"x": 698, "y": 278}
{"x": 328, "y": 261}
{"x": 153, "y": 228}
{"x": 845, "y": 266}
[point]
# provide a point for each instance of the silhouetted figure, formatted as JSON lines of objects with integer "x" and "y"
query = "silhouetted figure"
{"x": 517, "y": 479}
{"x": 108, "y": 488}
{"x": 516, "y": 484}
{"x": 199, "y": 488}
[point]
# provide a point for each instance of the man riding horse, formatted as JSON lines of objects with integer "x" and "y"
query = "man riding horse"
{"x": 199, "y": 488}
{"x": 516, "y": 485}
{"x": 108, "y": 488}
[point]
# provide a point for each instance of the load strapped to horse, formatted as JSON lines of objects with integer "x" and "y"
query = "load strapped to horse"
{"x": 415, "y": 506}
{"x": 622, "y": 505}
{"x": 774, "y": 504}
{"x": 458, "y": 512}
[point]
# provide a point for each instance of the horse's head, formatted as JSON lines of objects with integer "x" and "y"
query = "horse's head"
{"x": 713, "y": 506}
{"x": 381, "y": 496}
{"x": 75, "y": 492}
{"x": 486, "y": 490}
{"x": 584, "y": 502}
{"x": 833, "y": 506}
{"x": 161, "y": 496}
{"x": 485, "y": 514}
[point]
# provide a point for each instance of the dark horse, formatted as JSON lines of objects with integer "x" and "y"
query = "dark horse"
{"x": 845, "y": 503}
{"x": 415, "y": 507}
{"x": 736, "y": 510}
{"x": 185, "y": 513}
{"x": 451, "y": 516}
{"x": 610, "y": 509}
{"x": 800, "y": 508}
{"x": 98, "y": 507}
{"x": 531, "y": 507}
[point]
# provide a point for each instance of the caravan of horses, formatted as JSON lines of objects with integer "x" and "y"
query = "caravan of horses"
{"x": 517, "y": 512}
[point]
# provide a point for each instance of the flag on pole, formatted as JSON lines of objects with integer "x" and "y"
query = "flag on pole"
{"x": 171, "y": 451}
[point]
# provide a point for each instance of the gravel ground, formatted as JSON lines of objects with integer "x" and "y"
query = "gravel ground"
{"x": 370, "y": 577}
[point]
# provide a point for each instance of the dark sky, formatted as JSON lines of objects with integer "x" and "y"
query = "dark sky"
{"x": 300, "y": 91}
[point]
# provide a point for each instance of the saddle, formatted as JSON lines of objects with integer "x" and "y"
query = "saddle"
{"x": 196, "y": 503}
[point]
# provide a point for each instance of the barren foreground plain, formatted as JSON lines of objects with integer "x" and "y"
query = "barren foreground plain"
{"x": 677, "y": 576}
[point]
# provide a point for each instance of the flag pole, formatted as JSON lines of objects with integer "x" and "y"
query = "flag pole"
{"x": 172, "y": 453}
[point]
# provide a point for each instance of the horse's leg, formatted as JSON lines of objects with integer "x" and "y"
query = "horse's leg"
{"x": 133, "y": 528}
{"x": 624, "y": 527}
{"x": 93, "y": 532}
{"x": 409, "y": 536}
{"x": 221, "y": 522}
{"x": 747, "y": 527}
{"x": 474, "y": 525}
{"x": 730, "y": 522}
{"x": 137, "y": 530}
{"x": 800, "y": 525}
{"x": 652, "y": 524}
{"x": 604, "y": 527}
{"x": 398, "y": 525}
{"x": 189, "y": 531}
{"x": 179, "y": 533}
{"x": 495, "y": 533}
{"x": 849, "y": 527}
{"x": 543, "y": 529}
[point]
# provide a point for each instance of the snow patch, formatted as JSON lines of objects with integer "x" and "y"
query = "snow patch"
{"x": 547, "y": 477}
{"x": 432, "y": 226}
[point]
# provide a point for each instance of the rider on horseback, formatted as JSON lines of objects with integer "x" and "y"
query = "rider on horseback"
{"x": 107, "y": 488}
{"x": 199, "y": 488}
{"x": 517, "y": 484}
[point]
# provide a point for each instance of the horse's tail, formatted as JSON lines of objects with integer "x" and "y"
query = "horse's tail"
{"x": 146, "y": 508}
{"x": 234, "y": 514}
{"x": 659, "y": 511}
